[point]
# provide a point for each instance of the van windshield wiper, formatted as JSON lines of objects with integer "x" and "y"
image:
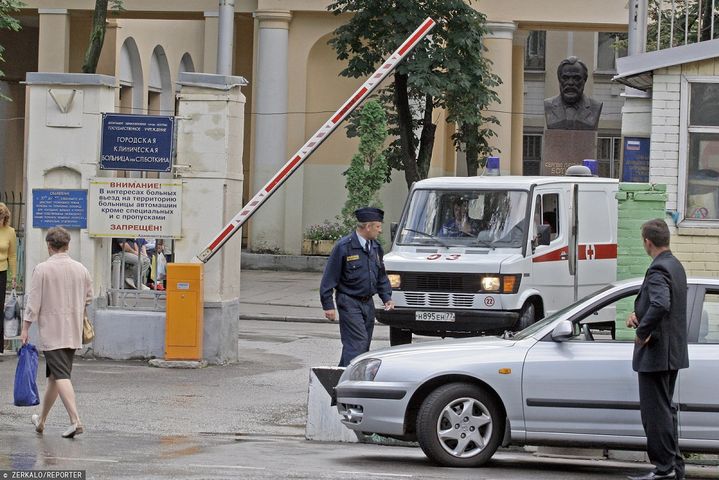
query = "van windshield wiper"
{"x": 428, "y": 235}
{"x": 483, "y": 243}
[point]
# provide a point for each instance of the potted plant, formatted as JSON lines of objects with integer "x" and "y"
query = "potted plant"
{"x": 320, "y": 238}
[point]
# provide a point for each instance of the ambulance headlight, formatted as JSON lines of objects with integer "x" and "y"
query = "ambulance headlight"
{"x": 395, "y": 280}
{"x": 490, "y": 284}
{"x": 364, "y": 370}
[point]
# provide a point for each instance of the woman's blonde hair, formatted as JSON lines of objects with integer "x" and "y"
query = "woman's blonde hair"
{"x": 4, "y": 215}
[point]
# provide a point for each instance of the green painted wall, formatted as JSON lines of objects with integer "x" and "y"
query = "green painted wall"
{"x": 638, "y": 202}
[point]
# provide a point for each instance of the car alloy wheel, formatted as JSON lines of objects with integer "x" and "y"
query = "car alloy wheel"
{"x": 460, "y": 425}
{"x": 464, "y": 427}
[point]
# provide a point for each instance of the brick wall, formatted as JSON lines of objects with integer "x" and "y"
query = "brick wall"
{"x": 637, "y": 203}
{"x": 664, "y": 150}
{"x": 698, "y": 250}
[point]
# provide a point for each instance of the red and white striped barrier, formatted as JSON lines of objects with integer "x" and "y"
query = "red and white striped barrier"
{"x": 316, "y": 140}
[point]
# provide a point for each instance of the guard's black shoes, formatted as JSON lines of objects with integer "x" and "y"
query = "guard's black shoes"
{"x": 654, "y": 476}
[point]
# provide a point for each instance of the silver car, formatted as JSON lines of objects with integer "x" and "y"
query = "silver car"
{"x": 566, "y": 380}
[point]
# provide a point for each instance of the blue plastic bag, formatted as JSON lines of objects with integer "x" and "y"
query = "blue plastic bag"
{"x": 25, "y": 392}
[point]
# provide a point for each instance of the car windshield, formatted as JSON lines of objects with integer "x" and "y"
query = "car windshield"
{"x": 479, "y": 218}
{"x": 537, "y": 326}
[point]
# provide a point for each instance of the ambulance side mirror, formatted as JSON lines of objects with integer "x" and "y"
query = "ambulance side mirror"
{"x": 543, "y": 234}
{"x": 393, "y": 231}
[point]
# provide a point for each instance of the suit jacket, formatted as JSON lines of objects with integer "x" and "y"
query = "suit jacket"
{"x": 661, "y": 308}
{"x": 586, "y": 118}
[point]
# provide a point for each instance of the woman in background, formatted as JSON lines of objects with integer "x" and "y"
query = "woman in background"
{"x": 8, "y": 260}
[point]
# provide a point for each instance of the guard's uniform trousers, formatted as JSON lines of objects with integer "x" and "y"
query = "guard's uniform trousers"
{"x": 356, "y": 276}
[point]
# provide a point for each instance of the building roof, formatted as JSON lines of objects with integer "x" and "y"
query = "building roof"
{"x": 636, "y": 70}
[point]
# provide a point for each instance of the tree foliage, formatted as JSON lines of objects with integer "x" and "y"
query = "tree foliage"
{"x": 97, "y": 34}
{"x": 368, "y": 169}
{"x": 8, "y": 22}
{"x": 446, "y": 71}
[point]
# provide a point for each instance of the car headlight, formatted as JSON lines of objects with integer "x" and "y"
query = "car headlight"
{"x": 395, "y": 280}
{"x": 365, "y": 370}
{"x": 490, "y": 284}
{"x": 507, "y": 283}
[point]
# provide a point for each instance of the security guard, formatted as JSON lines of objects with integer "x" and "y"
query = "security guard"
{"x": 356, "y": 272}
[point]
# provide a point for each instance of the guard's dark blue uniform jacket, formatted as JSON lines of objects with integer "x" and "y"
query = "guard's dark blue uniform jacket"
{"x": 356, "y": 277}
{"x": 350, "y": 271}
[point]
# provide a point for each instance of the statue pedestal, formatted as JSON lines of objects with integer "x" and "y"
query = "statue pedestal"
{"x": 564, "y": 148}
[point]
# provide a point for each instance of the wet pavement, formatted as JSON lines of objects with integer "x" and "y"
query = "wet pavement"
{"x": 238, "y": 421}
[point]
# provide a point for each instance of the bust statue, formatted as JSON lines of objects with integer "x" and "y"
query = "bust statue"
{"x": 571, "y": 109}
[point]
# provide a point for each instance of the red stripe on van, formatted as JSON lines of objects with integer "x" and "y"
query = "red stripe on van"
{"x": 553, "y": 256}
{"x": 598, "y": 251}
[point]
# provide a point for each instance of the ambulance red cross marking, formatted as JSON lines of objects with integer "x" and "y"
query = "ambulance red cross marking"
{"x": 591, "y": 252}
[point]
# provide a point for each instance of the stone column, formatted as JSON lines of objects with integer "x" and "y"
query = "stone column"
{"x": 499, "y": 51}
{"x": 54, "y": 41}
{"x": 267, "y": 227}
{"x": 209, "y": 160}
{"x": 63, "y": 143}
{"x": 518, "y": 45}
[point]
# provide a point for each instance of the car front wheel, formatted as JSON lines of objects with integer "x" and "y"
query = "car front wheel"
{"x": 460, "y": 425}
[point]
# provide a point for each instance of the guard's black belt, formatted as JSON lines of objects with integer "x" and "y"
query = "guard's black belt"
{"x": 364, "y": 299}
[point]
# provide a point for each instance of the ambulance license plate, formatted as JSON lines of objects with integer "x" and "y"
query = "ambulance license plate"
{"x": 434, "y": 316}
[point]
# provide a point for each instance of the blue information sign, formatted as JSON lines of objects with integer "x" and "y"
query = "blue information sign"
{"x": 635, "y": 167}
{"x": 59, "y": 208}
{"x": 137, "y": 142}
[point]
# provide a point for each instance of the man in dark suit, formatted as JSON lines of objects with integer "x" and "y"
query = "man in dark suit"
{"x": 660, "y": 350}
{"x": 571, "y": 109}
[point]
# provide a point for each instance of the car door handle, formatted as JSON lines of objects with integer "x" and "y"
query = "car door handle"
{"x": 563, "y": 256}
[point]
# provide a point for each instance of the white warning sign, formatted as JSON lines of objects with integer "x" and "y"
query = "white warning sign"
{"x": 135, "y": 207}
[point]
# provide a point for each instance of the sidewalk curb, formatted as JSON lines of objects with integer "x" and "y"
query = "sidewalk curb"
{"x": 278, "y": 318}
{"x": 293, "y": 263}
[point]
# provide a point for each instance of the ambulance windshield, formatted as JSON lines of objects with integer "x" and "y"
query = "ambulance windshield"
{"x": 469, "y": 218}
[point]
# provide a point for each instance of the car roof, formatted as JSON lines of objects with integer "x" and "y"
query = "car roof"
{"x": 508, "y": 182}
{"x": 690, "y": 280}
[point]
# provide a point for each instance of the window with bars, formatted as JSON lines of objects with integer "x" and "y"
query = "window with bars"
{"x": 531, "y": 154}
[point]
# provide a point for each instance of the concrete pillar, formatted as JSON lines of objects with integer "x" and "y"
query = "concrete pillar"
{"x": 63, "y": 140}
{"x": 54, "y": 42}
{"x": 499, "y": 51}
{"x": 209, "y": 56}
{"x": 209, "y": 160}
{"x": 267, "y": 227}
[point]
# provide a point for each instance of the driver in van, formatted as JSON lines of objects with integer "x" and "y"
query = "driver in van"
{"x": 459, "y": 225}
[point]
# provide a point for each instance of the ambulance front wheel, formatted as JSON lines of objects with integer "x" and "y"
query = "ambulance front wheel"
{"x": 397, "y": 336}
{"x": 527, "y": 316}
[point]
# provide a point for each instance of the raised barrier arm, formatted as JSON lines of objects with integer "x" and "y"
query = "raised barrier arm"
{"x": 315, "y": 141}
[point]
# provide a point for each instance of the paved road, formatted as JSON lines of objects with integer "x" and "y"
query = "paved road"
{"x": 240, "y": 421}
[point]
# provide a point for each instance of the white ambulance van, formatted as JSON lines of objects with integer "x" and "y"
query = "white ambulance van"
{"x": 487, "y": 254}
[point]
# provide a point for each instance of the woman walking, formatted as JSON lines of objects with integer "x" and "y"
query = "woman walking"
{"x": 60, "y": 290}
{"x": 8, "y": 260}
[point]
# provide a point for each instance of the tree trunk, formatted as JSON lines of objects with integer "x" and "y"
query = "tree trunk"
{"x": 471, "y": 150}
{"x": 97, "y": 37}
{"x": 426, "y": 139}
{"x": 404, "y": 123}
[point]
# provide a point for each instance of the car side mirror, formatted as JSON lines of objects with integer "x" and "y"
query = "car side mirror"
{"x": 392, "y": 231}
{"x": 543, "y": 234}
{"x": 563, "y": 331}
